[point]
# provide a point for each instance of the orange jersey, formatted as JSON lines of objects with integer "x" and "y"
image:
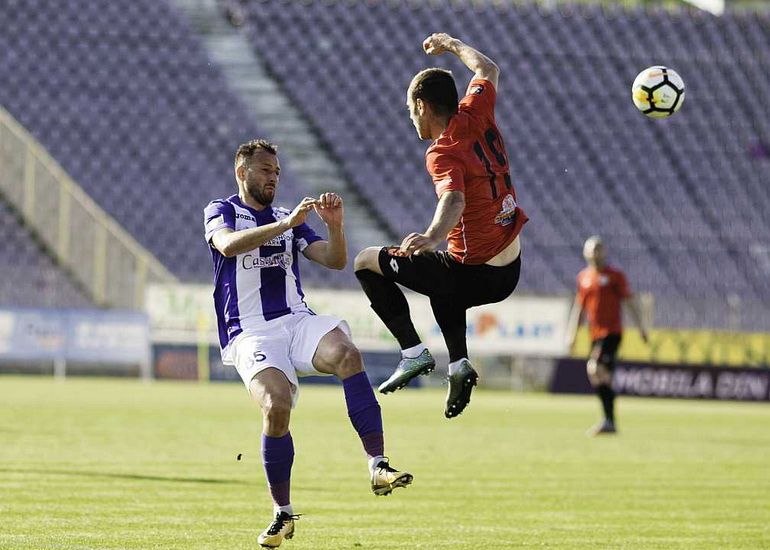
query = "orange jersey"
{"x": 470, "y": 157}
{"x": 601, "y": 294}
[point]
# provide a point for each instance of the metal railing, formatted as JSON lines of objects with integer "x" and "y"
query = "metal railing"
{"x": 101, "y": 256}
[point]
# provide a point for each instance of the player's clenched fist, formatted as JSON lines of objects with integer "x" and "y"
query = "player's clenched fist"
{"x": 437, "y": 43}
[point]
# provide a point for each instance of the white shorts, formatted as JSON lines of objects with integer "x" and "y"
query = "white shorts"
{"x": 287, "y": 343}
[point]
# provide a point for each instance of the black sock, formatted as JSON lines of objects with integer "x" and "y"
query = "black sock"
{"x": 451, "y": 320}
{"x": 607, "y": 396}
{"x": 456, "y": 344}
{"x": 390, "y": 305}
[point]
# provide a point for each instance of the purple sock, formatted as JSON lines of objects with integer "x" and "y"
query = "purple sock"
{"x": 364, "y": 413}
{"x": 278, "y": 457}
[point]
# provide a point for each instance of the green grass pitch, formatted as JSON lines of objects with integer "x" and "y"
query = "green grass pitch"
{"x": 96, "y": 463}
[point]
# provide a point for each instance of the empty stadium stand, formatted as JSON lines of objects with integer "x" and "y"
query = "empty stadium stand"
{"x": 30, "y": 278}
{"x": 680, "y": 201}
{"x": 127, "y": 101}
{"x": 125, "y": 97}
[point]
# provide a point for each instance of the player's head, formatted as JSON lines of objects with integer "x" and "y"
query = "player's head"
{"x": 431, "y": 98}
{"x": 257, "y": 170}
{"x": 593, "y": 250}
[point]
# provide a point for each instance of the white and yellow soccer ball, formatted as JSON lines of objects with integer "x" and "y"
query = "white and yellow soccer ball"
{"x": 658, "y": 91}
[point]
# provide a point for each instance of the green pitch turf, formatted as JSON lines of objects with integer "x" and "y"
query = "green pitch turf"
{"x": 122, "y": 464}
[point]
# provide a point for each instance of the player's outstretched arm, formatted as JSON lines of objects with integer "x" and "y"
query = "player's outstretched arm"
{"x": 481, "y": 66}
{"x": 231, "y": 243}
{"x": 332, "y": 253}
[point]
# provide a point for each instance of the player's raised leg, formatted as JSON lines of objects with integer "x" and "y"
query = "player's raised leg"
{"x": 272, "y": 391}
{"x": 390, "y": 305}
{"x": 336, "y": 354}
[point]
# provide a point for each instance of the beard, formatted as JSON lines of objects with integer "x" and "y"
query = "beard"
{"x": 261, "y": 196}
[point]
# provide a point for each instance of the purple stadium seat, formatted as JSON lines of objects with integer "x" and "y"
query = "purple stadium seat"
{"x": 125, "y": 98}
{"x": 127, "y": 101}
{"x": 676, "y": 199}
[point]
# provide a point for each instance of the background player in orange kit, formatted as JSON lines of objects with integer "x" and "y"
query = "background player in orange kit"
{"x": 601, "y": 291}
{"x": 477, "y": 214}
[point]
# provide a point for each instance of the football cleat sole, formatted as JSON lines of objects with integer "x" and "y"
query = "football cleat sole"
{"x": 463, "y": 398}
{"x": 287, "y": 537}
{"x": 403, "y": 481}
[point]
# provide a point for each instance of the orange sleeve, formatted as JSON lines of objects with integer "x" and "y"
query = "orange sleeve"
{"x": 480, "y": 98}
{"x": 447, "y": 172}
{"x": 623, "y": 290}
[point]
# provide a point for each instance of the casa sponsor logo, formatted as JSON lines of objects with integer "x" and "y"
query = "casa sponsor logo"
{"x": 283, "y": 260}
{"x": 706, "y": 383}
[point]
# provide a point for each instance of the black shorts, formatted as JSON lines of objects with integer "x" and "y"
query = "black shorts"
{"x": 605, "y": 350}
{"x": 439, "y": 276}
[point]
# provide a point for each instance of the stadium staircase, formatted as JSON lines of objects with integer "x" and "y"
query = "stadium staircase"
{"x": 259, "y": 89}
{"x": 64, "y": 250}
{"x": 138, "y": 107}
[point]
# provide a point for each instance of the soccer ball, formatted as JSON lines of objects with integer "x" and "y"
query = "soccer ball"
{"x": 658, "y": 91}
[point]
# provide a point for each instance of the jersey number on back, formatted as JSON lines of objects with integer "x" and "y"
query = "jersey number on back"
{"x": 492, "y": 137}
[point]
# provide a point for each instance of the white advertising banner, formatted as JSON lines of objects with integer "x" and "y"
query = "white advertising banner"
{"x": 181, "y": 313}
{"x": 520, "y": 325}
{"x": 524, "y": 325}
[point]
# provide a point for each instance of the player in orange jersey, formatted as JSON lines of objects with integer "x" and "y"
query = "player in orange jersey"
{"x": 477, "y": 214}
{"x": 601, "y": 291}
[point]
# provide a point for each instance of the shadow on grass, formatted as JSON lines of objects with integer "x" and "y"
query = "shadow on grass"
{"x": 136, "y": 477}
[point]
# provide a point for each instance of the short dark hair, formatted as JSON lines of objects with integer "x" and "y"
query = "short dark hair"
{"x": 250, "y": 148}
{"x": 436, "y": 87}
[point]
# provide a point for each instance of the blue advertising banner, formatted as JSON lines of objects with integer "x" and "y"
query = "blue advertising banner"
{"x": 74, "y": 335}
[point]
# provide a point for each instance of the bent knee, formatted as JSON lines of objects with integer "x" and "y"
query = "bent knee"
{"x": 598, "y": 373}
{"x": 277, "y": 409}
{"x": 277, "y": 412}
{"x": 347, "y": 360}
{"x": 368, "y": 258}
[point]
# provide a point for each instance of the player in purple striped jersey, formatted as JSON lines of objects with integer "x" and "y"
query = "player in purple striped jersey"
{"x": 266, "y": 329}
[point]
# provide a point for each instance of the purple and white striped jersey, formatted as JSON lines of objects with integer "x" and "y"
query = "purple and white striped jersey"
{"x": 262, "y": 284}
